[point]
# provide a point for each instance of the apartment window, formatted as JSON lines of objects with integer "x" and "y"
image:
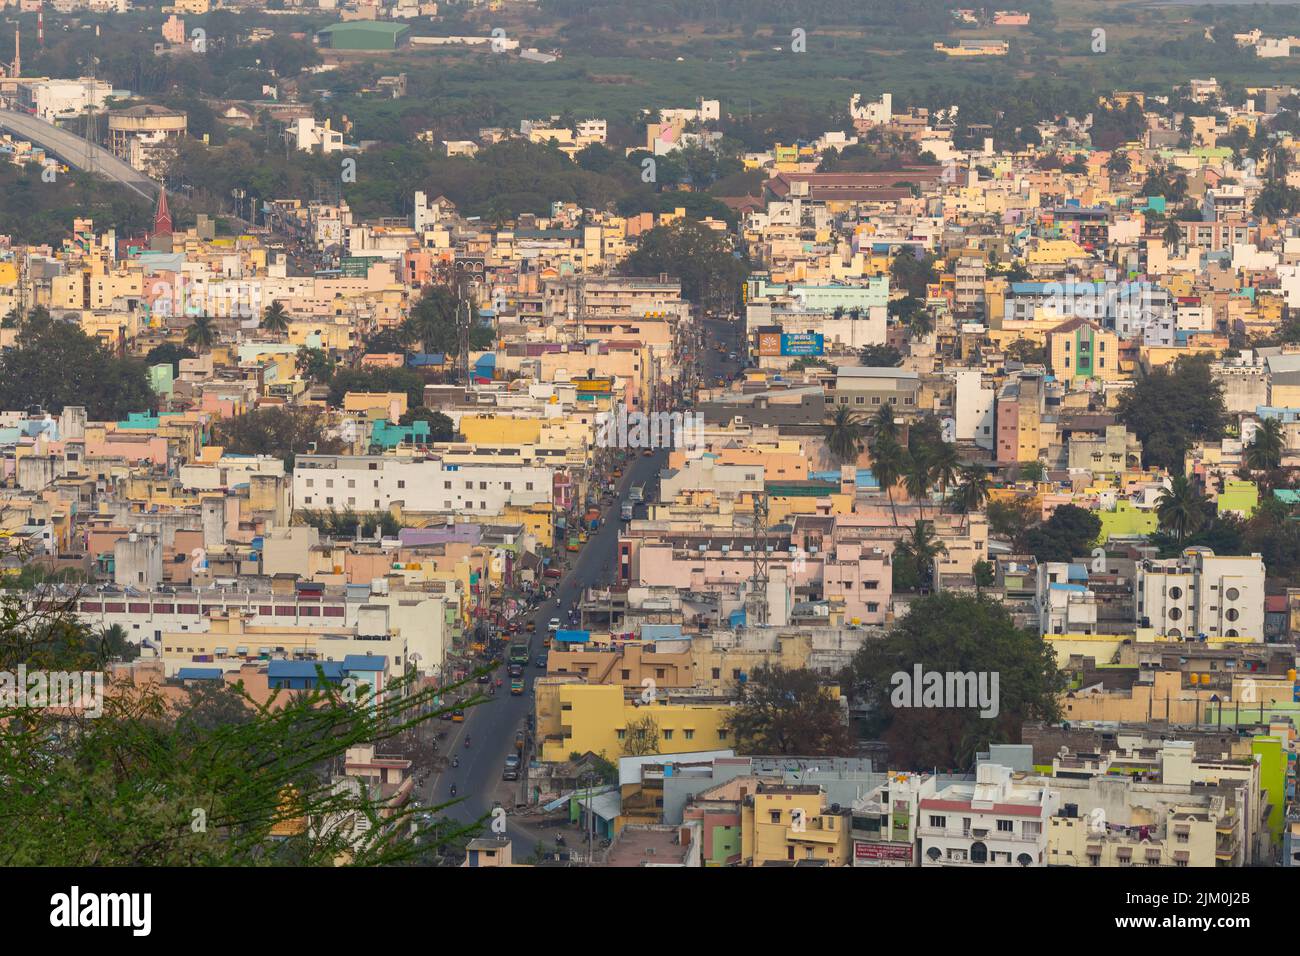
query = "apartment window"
{"x": 668, "y": 735}
{"x": 446, "y": 485}
{"x": 626, "y": 674}
{"x": 859, "y": 400}
{"x": 939, "y": 823}
{"x": 690, "y": 734}
{"x": 1006, "y": 826}
{"x": 717, "y": 673}
{"x": 621, "y": 734}
{"x": 776, "y": 817}
{"x": 507, "y": 486}
{"x": 528, "y": 486}
{"x": 351, "y": 483}
{"x": 722, "y": 735}
{"x": 875, "y": 399}
{"x": 401, "y": 484}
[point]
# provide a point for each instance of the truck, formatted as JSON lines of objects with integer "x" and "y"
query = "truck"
{"x": 626, "y": 511}
{"x": 519, "y": 653}
{"x": 637, "y": 494}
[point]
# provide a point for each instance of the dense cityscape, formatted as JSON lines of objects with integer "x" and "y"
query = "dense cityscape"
{"x": 809, "y": 457}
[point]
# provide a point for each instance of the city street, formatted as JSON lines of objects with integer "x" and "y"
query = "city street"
{"x": 491, "y": 727}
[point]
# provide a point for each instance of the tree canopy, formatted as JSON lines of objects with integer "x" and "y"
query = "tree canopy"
{"x": 55, "y": 364}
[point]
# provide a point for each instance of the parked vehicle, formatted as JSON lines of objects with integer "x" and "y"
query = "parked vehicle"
{"x": 540, "y": 662}
{"x": 458, "y": 716}
{"x": 511, "y": 771}
{"x": 626, "y": 511}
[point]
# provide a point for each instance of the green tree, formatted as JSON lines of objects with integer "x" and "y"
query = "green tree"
{"x": 1181, "y": 507}
{"x": 168, "y": 353}
{"x": 275, "y": 319}
{"x": 1264, "y": 453}
{"x": 54, "y": 364}
{"x": 889, "y": 463}
{"x": 701, "y": 258}
{"x": 788, "y": 711}
{"x": 954, "y": 634}
{"x": 1012, "y": 519}
{"x": 969, "y": 496}
{"x": 207, "y": 780}
{"x": 1068, "y": 533}
{"x": 282, "y": 432}
{"x": 202, "y": 333}
{"x": 315, "y": 365}
{"x": 915, "y": 555}
{"x": 1169, "y": 409}
{"x": 844, "y": 435}
{"x": 880, "y": 356}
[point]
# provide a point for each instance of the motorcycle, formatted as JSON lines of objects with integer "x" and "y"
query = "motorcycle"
{"x": 455, "y": 761}
{"x": 467, "y": 743}
{"x": 453, "y": 790}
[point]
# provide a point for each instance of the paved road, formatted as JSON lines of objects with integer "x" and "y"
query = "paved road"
{"x": 78, "y": 153}
{"x": 491, "y": 726}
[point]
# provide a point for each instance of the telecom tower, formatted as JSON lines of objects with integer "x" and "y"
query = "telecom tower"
{"x": 756, "y": 603}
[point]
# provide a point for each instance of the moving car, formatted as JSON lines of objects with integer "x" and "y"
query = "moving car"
{"x": 511, "y": 771}
{"x": 458, "y": 716}
{"x": 540, "y": 662}
{"x": 554, "y": 625}
{"x": 517, "y": 687}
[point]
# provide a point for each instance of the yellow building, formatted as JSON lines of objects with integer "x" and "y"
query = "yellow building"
{"x": 789, "y": 823}
{"x": 575, "y": 717}
{"x": 1081, "y": 349}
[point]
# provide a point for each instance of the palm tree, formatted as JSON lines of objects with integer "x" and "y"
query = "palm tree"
{"x": 844, "y": 435}
{"x": 919, "y": 477}
{"x": 973, "y": 491}
{"x": 945, "y": 465}
{"x": 889, "y": 462}
{"x": 921, "y": 548}
{"x": 1181, "y": 508}
{"x": 1119, "y": 164}
{"x": 1172, "y": 234}
{"x": 883, "y": 422}
{"x": 1265, "y": 452}
{"x": 275, "y": 319}
{"x": 202, "y": 333}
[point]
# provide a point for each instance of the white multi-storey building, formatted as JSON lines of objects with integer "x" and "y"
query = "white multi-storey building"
{"x": 995, "y": 821}
{"x": 1203, "y": 594}
{"x": 421, "y": 485}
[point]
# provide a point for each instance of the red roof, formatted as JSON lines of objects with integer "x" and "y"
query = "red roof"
{"x": 1006, "y": 809}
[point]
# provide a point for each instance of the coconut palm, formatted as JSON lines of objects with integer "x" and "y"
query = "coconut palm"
{"x": 1265, "y": 452}
{"x": 889, "y": 461}
{"x": 945, "y": 465}
{"x": 883, "y": 423}
{"x": 921, "y": 548}
{"x": 275, "y": 319}
{"x": 844, "y": 435}
{"x": 1181, "y": 508}
{"x": 1172, "y": 234}
{"x": 202, "y": 333}
{"x": 919, "y": 476}
{"x": 973, "y": 491}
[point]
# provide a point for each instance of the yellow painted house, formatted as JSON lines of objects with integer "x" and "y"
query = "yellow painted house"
{"x": 788, "y": 823}
{"x": 574, "y": 717}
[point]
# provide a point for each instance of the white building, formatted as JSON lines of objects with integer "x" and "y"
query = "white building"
{"x": 58, "y": 99}
{"x": 309, "y": 136}
{"x": 1201, "y": 593}
{"x": 973, "y": 404}
{"x": 421, "y": 485}
{"x": 996, "y": 821}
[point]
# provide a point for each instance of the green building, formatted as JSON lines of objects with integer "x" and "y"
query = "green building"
{"x": 364, "y": 35}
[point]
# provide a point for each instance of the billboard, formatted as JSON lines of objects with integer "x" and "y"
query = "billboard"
{"x": 769, "y": 343}
{"x": 900, "y": 852}
{"x": 802, "y": 343}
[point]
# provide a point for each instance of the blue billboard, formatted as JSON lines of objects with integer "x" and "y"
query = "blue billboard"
{"x": 802, "y": 343}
